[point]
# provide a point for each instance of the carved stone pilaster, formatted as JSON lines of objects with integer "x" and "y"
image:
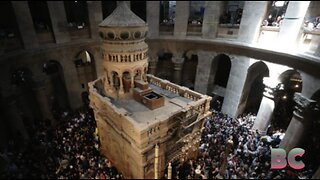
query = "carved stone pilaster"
{"x": 305, "y": 106}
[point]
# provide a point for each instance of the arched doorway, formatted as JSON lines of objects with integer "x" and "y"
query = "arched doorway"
{"x": 165, "y": 66}
{"x": 218, "y": 80}
{"x": 22, "y": 81}
{"x": 86, "y": 70}
{"x": 57, "y": 91}
{"x": 253, "y": 88}
{"x": 291, "y": 82}
{"x": 189, "y": 71}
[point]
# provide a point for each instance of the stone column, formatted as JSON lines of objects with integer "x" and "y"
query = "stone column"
{"x": 252, "y": 17}
{"x": 203, "y": 71}
{"x": 291, "y": 27}
{"x": 153, "y": 18}
{"x": 59, "y": 21}
{"x": 181, "y": 19}
{"x": 234, "y": 89}
{"x": 25, "y": 24}
{"x": 16, "y": 121}
{"x": 95, "y": 17}
{"x": 316, "y": 174}
{"x": 266, "y": 108}
{"x": 305, "y": 111}
{"x": 178, "y": 65}
{"x": 41, "y": 96}
{"x": 212, "y": 12}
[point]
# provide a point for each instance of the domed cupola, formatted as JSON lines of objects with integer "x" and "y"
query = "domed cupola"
{"x": 124, "y": 51}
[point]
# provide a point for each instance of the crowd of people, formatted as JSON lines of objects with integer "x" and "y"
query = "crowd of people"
{"x": 70, "y": 150}
{"x": 248, "y": 158}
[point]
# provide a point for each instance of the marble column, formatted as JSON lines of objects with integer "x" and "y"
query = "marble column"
{"x": 251, "y": 20}
{"x": 153, "y": 18}
{"x": 212, "y": 12}
{"x": 181, "y": 19}
{"x": 203, "y": 71}
{"x": 41, "y": 96}
{"x": 95, "y": 17}
{"x": 305, "y": 111}
{"x": 25, "y": 24}
{"x": 177, "y": 67}
{"x": 59, "y": 21}
{"x": 266, "y": 108}
{"x": 291, "y": 27}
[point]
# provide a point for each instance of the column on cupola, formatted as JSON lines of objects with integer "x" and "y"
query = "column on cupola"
{"x": 266, "y": 108}
{"x": 153, "y": 18}
{"x": 25, "y": 24}
{"x": 121, "y": 91}
{"x": 212, "y": 13}
{"x": 303, "y": 115}
{"x": 251, "y": 20}
{"x": 181, "y": 19}
{"x": 178, "y": 61}
{"x": 291, "y": 27}
{"x": 59, "y": 21}
{"x": 95, "y": 17}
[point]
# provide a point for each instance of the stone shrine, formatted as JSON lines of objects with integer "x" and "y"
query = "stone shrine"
{"x": 138, "y": 113}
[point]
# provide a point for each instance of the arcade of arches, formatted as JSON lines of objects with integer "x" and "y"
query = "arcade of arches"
{"x": 42, "y": 80}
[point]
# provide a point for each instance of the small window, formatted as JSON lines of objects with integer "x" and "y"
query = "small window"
{"x": 124, "y": 35}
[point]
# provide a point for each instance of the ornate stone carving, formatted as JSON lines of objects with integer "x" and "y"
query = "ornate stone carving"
{"x": 305, "y": 106}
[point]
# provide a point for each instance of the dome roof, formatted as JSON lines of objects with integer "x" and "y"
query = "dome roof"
{"x": 122, "y": 16}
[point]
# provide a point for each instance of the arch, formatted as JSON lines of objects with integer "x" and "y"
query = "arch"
{"x": 86, "y": 70}
{"x": 24, "y": 95}
{"x": 291, "y": 80}
{"x": 189, "y": 71}
{"x": 218, "y": 79}
{"x": 21, "y": 76}
{"x": 284, "y": 104}
{"x": 57, "y": 87}
{"x": 253, "y": 88}
{"x": 115, "y": 80}
{"x": 165, "y": 66}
